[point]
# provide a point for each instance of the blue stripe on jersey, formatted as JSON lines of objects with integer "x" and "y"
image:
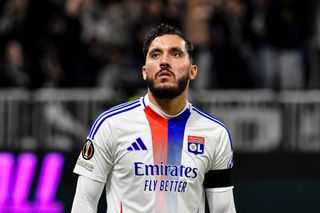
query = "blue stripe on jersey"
{"x": 121, "y": 106}
{"x": 109, "y": 114}
{"x": 124, "y": 104}
{"x": 210, "y": 117}
{"x": 176, "y": 130}
{"x": 144, "y": 104}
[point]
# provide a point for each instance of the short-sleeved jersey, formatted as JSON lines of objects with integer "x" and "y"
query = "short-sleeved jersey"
{"x": 152, "y": 164}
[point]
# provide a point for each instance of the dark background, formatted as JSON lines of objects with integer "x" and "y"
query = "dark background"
{"x": 242, "y": 47}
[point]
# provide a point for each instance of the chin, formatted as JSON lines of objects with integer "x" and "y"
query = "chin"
{"x": 166, "y": 87}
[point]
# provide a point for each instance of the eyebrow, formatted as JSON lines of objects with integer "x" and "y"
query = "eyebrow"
{"x": 155, "y": 50}
{"x": 172, "y": 49}
{"x": 176, "y": 49}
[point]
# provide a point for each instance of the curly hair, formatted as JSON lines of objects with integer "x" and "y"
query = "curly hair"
{"x": 164, "y": 29}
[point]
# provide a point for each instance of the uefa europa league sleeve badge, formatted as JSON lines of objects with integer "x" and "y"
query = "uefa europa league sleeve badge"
{"x": 87, "y": 150}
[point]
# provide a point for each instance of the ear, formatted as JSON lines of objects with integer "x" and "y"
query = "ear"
{"x": 144, "y": 75}
{"x": 193, "y": 72}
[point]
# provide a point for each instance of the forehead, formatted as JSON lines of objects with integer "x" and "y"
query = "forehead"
{"x": 167, "y": 42}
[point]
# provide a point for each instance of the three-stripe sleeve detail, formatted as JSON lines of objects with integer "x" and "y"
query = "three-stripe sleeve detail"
{"x": 210, "y": 117}
{"x": 109, "y": 113}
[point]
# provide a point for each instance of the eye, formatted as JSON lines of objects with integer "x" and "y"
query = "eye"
{"x": 176, "y": 53}
{"x": 155, "y": 55}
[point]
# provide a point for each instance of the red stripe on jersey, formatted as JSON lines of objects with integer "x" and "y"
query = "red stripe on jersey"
{"x": 159, "y": 131}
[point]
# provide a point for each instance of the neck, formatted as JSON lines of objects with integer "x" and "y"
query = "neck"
{"x": 169, "y": 106}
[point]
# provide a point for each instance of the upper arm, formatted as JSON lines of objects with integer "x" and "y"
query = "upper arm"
{"x": 218, "y": 180}
{"x": 96, "y": 159}
{"x": 219, "y": 173}
{"x": 87, "y": 195}
{"x": 223, "y": 152}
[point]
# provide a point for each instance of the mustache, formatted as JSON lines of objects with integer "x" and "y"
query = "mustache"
{"x": 165, "y": 67}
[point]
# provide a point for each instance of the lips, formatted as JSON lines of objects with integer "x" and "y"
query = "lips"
{"x": 164, "y": 72}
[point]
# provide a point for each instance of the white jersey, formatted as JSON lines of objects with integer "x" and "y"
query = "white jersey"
{"x": 153, "y": 164}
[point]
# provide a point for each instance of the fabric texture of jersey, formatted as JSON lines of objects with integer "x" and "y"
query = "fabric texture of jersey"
{"x": 152, "y": 164}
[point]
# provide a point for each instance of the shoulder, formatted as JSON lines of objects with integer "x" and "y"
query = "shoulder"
{"x": 117, "y": 112}
{"x": 207, "y": 120}
{"x": 212, "y": 124}
{"x": 204, "y": 116}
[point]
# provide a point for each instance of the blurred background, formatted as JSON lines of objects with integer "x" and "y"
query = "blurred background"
{"x": 63, "y": 62}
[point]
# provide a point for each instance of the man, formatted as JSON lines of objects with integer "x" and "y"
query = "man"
{"x": 159, "y": 153}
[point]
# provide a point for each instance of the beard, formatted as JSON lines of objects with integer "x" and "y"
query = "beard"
{"x": 167, "y": 92}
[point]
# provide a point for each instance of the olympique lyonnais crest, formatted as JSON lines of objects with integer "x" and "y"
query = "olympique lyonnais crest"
{"x": 195, "y": 144}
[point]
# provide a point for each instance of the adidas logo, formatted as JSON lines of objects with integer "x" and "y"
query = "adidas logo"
{"x": 137, "y": 145}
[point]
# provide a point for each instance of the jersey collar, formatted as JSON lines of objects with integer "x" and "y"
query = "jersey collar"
{"x": 146, "y": 102}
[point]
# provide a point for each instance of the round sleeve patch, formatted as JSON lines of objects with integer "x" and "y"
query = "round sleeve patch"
{"x": 87, "y": 150}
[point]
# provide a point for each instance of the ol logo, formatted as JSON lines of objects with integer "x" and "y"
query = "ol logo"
{"x": 195, "y": 144}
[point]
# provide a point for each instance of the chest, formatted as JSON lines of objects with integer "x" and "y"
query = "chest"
{"x": 162, "y": 150}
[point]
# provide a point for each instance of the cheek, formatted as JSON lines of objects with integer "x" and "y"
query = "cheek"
{"x": 183, "y": 70}
{"x": 150, "y": 69}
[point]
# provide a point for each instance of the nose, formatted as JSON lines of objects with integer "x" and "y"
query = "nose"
{"x": 164, "y": 66}
{"x": 165, "y": 62}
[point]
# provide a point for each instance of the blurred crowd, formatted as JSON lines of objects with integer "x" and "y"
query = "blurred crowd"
{"x": 239, "y": 44}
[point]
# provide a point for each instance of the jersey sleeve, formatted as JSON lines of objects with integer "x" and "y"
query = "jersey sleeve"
{"x": 223, "y": 158}
{"x": 87, "y": 195}
{"x": 219, "y": 174}
{"x": 220, "y": 200}
{"x": 96, "y": 159}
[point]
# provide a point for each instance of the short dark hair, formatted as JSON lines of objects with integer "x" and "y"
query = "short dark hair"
{"x": 164, "y": 29}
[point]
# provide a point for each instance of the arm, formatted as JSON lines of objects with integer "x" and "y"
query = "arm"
{"x": 218, "y": 181}
{"x": 93, "y": 166}
{"x": 87, "y": 195}
{"x": 220, "y": 200}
